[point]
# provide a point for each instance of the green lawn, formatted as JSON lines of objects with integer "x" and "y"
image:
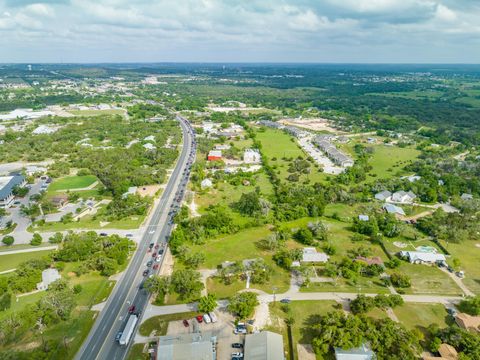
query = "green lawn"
{"x": 71, "y": 182}
{"x": 136, "y": 353}
{"x": 97, "y": 112}
{"x": 469, "y": 254}
{"x": 420, "y": 316}
{"x": 428, "y": 280}
{"x": 11, "y": 261}
{"x": 21, "y": 247}
{"x": 278, "y": 144}
{"x": 304, "y": 313}
{"x": 159, "y": 324}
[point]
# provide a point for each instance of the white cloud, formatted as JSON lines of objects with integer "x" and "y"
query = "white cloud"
{"x": 443, "y": 13}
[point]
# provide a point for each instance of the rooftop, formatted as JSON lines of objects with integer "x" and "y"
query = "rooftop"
{"x": 265, "y": 345}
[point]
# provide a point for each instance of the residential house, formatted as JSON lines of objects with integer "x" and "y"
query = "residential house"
{"x": 383, "y": 195}
{"x": 332, "y": 152}
{"x": 468, "y": 322}
{"x": 48, "y": 276}
{"x": 44, "y": 129}
{"x": 206, "y": 183}
{"x": 149, "y": 146}
{"x": 7, "y": 184}
{"x": 214, "y": 155}
{"x": 466, "y": 196}
{"x": 132, "y": 190}
{"x": 59, "y": 200}
{"x": 264, "y": 345}
{"x": 363, "y": 217}
{"x": 252, "y": 156}
{"x": 393, "y": 209}
{"x": 446, "y": 351}
{"x": 150, "y": 138}
{"x": 363, "y": 352}
{"x": 419, "y": 257}
{"x": 403, "y": 197}
{"x": 310, "y": 254}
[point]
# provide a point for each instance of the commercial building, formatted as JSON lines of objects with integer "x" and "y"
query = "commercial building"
{"x": 199, "y": 346}
{"x": 214, "y": 155}
{"x": 265, "y": 345}
{"x": 7, "y": 184}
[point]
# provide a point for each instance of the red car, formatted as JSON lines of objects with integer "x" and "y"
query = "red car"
{"x": 199, "y": 318}
{"x": 154, "y": 254}
{"x": 157, "y": 246}
{"x": 185, "y": 323}
{"x": 155, "y": 266}
{"x": 148, "y": 250}
{"x": 131, "y": 309}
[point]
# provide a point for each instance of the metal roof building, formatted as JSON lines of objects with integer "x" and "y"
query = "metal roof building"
{"x": 264, "y": 345}
{"x": 199, "y": 346}
{"x": 7, "y": 183}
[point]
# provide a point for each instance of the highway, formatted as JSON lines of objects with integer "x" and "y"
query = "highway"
{"x": 100, "y": 343}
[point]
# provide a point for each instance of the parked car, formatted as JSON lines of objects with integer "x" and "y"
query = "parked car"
{"x": 145, "y": 272}
{"x": 131, "y": 309}
{"x": 160, "y": 252}
{"x": 213, "y": 317}
{"x": 199, "y": 318}
{"x": 285, "y": 301}
{"x": 185, "y": 323}
{"x": 237, "y": 355}
{"x": 240, "y": 330}
{"x": 157, "y": 246}
{"x": 159, "y": 257}
{"x": 129, "y": 235}
{"x": 149, "y": 263}
{"x": 237, "y": 345}
{"x": 103, "y": 234}
{"x": 207, "y": 319}
{"x": 155, "y": 266}
{"x": 460, "y": 274}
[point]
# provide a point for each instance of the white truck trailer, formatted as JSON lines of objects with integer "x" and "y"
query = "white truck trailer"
{"x": 128, "y": 331}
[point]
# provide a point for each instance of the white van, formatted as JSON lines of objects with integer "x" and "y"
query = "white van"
{"x": 207, "y": 319}
{"x": 213, "y": 317}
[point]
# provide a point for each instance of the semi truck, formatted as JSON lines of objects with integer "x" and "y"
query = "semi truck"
{"x": 128, "y": 330}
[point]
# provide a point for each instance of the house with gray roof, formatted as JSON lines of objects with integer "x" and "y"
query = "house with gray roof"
{"x": 7, "y": 184}
{"x": 265, "y": 345}
{"x": 393, "y": 209}
{"x": 403, "y": 197}
{"x": 201, "y": 346}
{"x": 363, "y": 352}
{"x": 420, "y": 257}
{"x": 383, "y": 195}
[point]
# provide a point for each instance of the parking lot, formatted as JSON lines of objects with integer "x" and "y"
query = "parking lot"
{"x": 223, "y": 329}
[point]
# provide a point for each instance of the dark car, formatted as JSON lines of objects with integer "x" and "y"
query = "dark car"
{"x": 237, "y": 345}
{"x": 145, "y": 272}
{"x": 285, "y": 301}
{"x": 118, "y": 336}
{"x": 199, "y": 318}
{"x": 185, "y": 323}
{"x": 149, "y": 263}
{"x": 103, "y": 234}
{"x": 160, "y": 252}
{"x": 131, "y": 309}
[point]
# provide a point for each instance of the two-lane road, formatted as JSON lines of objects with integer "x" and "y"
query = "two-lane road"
{"x": 100, "y": 343}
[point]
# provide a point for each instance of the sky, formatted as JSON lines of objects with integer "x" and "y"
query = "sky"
{"x": 323, "y": 31}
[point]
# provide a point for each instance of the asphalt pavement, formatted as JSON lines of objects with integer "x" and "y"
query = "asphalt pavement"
{"x": 100, "y": 343}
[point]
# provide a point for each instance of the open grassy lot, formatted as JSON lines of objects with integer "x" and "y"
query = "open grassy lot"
{"x": 469, "y": 254}
{"x": 241, "y": 246}
{"x": 11, "y": 261}
{"x": 22, "y": 247}
{"x": 414, "y": 95}
{"x": 136, "y": 353}
{"x": 428, "y": 280}
{"x": 410, "y": 243}
{"x": 159, "y": 324}
{"x": 363, "y": 286}
{"x": 71, "y": 182}
{"x": 420, "y": 316}
{"x": 277, "y": 145}
{"x": 304, "y": 313}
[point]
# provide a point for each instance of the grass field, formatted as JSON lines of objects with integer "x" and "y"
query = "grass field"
{"x": 11, "y": 261}
{"x": 21, "y": 247}
{"x": 420, "y": 316}
{"x": 428, "y": 280}
{"x": 277, "y": 144}
{"x": 469, "y": 254}
{"x": 71, "y": 182}
{"x": 136, "y": 353}
{"x": 415, "y": 95}
{"x": 304, "y": 313}
{"x": 159, "y": 324}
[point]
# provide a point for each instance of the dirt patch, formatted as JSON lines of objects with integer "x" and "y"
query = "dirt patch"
{"x": 477, "y": 245}
{"x": 400, "y": 245}
{"x": 148, "y": 190}
{"x": 167, "y": 266}
{"x": 315, "y": 124}
{"x": 71, "y": 274}
{"x": 305, "y": 352}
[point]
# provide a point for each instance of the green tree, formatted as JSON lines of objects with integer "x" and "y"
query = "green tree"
{"x": 186, "y": 283}
{"x": 243, "y": 304}
{"x": 207, "y": 303}
{"x": 470, "y": 305}
{"x": 304, "y": 236}
{"x": 36, "y": 239}
{"x": 56, "y": 238}
{"x": 8, "y": 240}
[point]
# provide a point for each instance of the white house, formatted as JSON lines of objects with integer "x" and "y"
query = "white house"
{"x": 150, "y": 138}
{"x": 7, "y": 183}
{"x": 383, "y": 195}
{"x": 48, "y": 276}
{"x": 393, "y": 209}
{"x": 363, "y": 217}
{"x": 419, "y": 257}
{"x": 466, "y": 196}
{"x": 251, "y": 156}
{"x": 206, "y": 183}
{"x": 132, "y": 190}
{"x": 403, "y": 197}
{"x": 149, "y": 146}
{"x": 310, "y": 254}
{"x": 44, "y": 129}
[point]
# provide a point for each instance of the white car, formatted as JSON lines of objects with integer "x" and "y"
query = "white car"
{"x": 207, "y": 319}
{"x": 213, "y": 317}
{"x": 158, "y": 258}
